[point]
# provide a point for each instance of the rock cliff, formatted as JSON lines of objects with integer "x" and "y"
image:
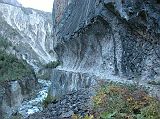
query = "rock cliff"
{"x": 11, "y": 2}
{"x": 29, "y": 31}
{"x": 12, "y": 93}
{"x": 107, "y": 39}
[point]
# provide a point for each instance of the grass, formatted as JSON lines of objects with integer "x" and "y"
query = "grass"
{"x": 122, "y": 101}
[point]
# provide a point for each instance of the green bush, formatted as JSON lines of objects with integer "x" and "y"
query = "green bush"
{"x": 48, "y": 100}
{"x": 52, "y": 64}
{"x": 150, "y": 112}
{"x": 4, "y": 43}
{"x": 12, "y": 68}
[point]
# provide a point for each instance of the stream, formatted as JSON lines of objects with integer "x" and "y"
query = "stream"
{"x": 33, "y": 105}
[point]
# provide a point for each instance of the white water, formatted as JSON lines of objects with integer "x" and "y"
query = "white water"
{"x": 35, "y": 105}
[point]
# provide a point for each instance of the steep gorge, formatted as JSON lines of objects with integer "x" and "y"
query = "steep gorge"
{"x": 29, "y": 33}
{"x": 93, "y": 39}
{"x": 105, "y": 40}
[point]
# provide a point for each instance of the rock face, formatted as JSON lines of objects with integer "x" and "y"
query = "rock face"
{"x": 12, "y": 94}
{"x": 108, "y": 38}
{"x": 64, "y": 82}
{"x": 29, "y": 31}
{"x": 11, "y": 2}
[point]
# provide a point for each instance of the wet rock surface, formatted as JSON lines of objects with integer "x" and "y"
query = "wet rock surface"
{"x": 78, "y": 102}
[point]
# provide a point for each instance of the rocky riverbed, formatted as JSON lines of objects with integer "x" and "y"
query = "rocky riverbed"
{"x": 34, "y": 104}
{"x": 78, "y": 102}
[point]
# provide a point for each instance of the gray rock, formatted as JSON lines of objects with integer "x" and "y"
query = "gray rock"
{"x": 29, "y": 31}
{"x": 12, "y": 94}
{"x": 105, "y": 39}
{"x": 11, "y": 2}
{"x": 67, "y": 109}
{"x": 67, "y": 114}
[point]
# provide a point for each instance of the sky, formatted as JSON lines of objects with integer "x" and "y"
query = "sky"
{"x": 44, "y": 5}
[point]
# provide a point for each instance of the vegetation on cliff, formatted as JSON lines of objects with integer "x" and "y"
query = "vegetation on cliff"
{"x": 12, "y": 68}
{"x": 48, "y": 100}
{"x": 52, "y": 64}
{"x": 46, "y": 70}
{"x": 121, "y": 101}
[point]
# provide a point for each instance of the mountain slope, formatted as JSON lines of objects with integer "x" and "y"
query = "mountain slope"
{"x": 29, "y": 31}
{"x": 11, "y": 2}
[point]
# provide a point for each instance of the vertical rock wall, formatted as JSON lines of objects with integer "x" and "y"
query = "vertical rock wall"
{"x": 108, "y": 38}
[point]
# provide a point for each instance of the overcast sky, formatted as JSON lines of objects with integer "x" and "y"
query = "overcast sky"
{"x": 45, "y": 5}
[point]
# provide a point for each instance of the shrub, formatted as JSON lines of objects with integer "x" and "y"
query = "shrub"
{"x": 118, "y": 101}
{"x": 52, "y": 64}
{"x": 12, "y": 68}
{"x": 48, "y": 100}
{"x": 4, "y": 43}
{"x": 152, "y": 111}
{"x": 44, "y": 74}
{"x": 153, "y": 82}
{"x": 74, "y": 116}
